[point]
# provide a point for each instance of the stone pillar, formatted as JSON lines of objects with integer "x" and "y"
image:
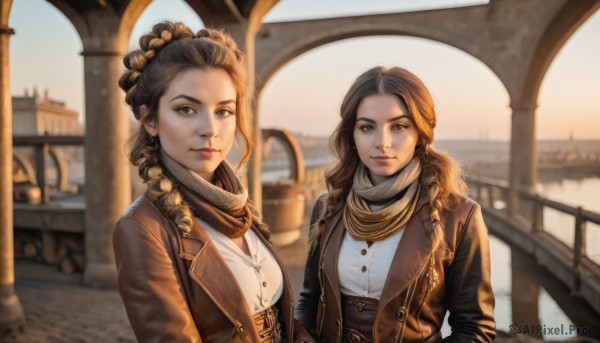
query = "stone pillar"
{"x": 12, "y": 318}
{"x": 108, "y": 179}
{"x": 104, "y": 28}
{"x": 523, "y": 163}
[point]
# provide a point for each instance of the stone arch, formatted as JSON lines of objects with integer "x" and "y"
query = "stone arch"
{"x": 560, "y": 30}
{"x": 289, "y": 52}
{"x": 515, "y": 39}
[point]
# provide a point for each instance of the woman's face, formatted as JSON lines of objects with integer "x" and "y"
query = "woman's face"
{"x": 384, "y": 135}
{"x": 197, "y": 119}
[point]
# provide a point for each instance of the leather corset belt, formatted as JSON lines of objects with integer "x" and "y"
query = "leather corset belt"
{"x": 359, "y": 317}
{"x": 268, "y": 325}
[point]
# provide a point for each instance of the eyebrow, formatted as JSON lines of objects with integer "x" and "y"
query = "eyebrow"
{"x": 389, "y": 120}
{"x": 194, "y": 100}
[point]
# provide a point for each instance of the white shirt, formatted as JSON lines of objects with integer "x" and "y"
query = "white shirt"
{"x": 259, "y": 275}
{"x": 362, "y": 269}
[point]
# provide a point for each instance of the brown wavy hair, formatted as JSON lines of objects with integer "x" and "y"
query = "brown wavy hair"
{"x": 169, "y": 49}
{"x": 441, "y": 177}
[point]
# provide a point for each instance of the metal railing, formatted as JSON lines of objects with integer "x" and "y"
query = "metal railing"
{"x": 497, "y": 193}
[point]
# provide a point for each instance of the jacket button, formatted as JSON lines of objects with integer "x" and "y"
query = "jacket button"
{"x": 401, "y": 315}
{"x": 364, "y": 269}
{"x": 264, "y": 284}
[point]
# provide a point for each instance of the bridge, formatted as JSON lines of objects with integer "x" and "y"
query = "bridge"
{"x": 516, "y": 39}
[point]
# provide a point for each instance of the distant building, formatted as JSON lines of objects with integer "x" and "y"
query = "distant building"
{"x": 33, "y": 115}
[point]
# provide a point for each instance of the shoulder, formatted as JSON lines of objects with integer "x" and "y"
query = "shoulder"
{"x": 464, "y": 209}
{"x": 142, "y": 216}
{"x": 464, "y": 220}
{"x": 321, "y": 202}
{"x": 319, "y": 207}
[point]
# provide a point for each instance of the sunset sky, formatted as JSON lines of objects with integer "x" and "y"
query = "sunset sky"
{"x": 304, "y": 96}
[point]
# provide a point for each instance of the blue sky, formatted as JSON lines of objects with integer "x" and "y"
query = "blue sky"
{"x": 305, "y": 95}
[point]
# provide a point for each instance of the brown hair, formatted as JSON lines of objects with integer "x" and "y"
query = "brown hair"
{"x": 441, "y": 177}
{"x": 169, "y": 49}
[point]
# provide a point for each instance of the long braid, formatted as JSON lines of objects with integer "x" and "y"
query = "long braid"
{"x": 442, "y": 178}
{"x": 161, "y": 189}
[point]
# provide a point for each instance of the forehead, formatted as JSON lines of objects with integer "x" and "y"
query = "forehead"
{"x": 380, "y": 107}
{"x": 206, "y": 82}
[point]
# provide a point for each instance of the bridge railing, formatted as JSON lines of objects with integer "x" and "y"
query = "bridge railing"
{"x": 495, "y": 193}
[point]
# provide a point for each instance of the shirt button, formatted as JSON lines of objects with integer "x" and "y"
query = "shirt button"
{"x": 363, "y": 252}
{"x": 264, "y": 284}
{"x": 364, "y": 269}
{"x": 257, "y": 268}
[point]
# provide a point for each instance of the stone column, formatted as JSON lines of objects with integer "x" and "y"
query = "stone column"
{"x": 108, "y": 179}
{"x": 523, "y": 163}
{"x": 12, "y": 318}
{"x": 104, "y": 28}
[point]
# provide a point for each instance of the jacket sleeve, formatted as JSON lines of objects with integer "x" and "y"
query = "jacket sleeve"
{"x": 149, "y": 286}
{"x": 471, "y": 299}
{"x": 306, "y": 310}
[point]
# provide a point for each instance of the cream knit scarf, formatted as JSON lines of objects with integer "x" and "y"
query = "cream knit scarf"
{"x": 223, "y": 205}
{"x": 365, "y": 224}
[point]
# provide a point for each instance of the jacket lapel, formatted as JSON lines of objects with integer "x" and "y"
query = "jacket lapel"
{"x": 210, "y": 271}
{"x": 330, "y": 255}
{"x": 410, "y": 258}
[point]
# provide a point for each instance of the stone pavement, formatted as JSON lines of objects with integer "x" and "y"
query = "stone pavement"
{"x": 59, "y": 310}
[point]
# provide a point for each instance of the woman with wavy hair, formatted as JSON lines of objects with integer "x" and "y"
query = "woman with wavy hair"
{"x": 194, "y": 263}
{"x": 395, "y": 244}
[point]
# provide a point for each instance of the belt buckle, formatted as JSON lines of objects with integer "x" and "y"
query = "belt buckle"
{"x": 269, "y": 318}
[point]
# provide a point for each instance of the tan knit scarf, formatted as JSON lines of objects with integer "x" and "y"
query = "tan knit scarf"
{"x": 223, "y": 205}
{"x": 398, "y": 195}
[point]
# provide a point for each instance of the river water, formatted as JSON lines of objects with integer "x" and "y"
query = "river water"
{"x": 533, "y": 303}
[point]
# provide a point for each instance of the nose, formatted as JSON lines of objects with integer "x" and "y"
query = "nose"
{"x": 383, "y": 139}
{"x": 207, "y": 126}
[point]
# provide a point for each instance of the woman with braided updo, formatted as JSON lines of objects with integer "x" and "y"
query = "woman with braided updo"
{"x": 395, "y": 244}
{"x": 193, "y": 262}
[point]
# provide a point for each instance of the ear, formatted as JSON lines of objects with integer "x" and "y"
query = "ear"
{"x": 150, "y": 125}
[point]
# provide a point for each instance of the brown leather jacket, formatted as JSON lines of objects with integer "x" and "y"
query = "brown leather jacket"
{"x": 178, "y": 289}
{"x": 408, "y": 310}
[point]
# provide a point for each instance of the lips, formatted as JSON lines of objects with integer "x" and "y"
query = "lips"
{"x": 206, "y": 152}
{"x": 383, "y": 160}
